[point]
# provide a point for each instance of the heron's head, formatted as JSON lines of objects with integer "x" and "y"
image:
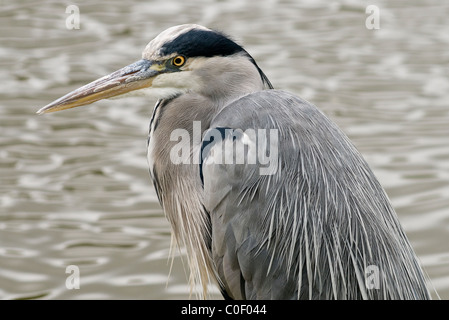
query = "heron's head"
{"x": 185, "y": 58}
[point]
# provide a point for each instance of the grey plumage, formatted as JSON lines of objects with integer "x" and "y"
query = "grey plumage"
{"x": 313, "y": 225}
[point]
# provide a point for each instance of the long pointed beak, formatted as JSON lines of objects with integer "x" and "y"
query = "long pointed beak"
{"x": 135, "y": 76}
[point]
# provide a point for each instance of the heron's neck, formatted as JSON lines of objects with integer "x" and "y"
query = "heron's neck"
{"x": 175, "y": 132}
{"x": 222, "y": 80}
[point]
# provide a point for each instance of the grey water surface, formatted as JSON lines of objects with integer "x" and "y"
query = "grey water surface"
{"x": 74, "y": 185}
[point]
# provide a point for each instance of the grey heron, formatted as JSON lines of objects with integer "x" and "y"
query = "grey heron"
{"x": 268, "y": 196}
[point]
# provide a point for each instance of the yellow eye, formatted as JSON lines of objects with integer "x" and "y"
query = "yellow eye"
{"x": 178, "y": 61}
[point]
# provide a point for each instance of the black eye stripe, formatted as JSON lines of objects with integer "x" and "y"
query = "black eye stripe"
{"x": 206, "y": 43}
{"x": 201, "y": 43}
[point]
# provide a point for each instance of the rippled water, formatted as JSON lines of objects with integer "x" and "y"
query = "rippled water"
{"x": 75, "y": 188}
